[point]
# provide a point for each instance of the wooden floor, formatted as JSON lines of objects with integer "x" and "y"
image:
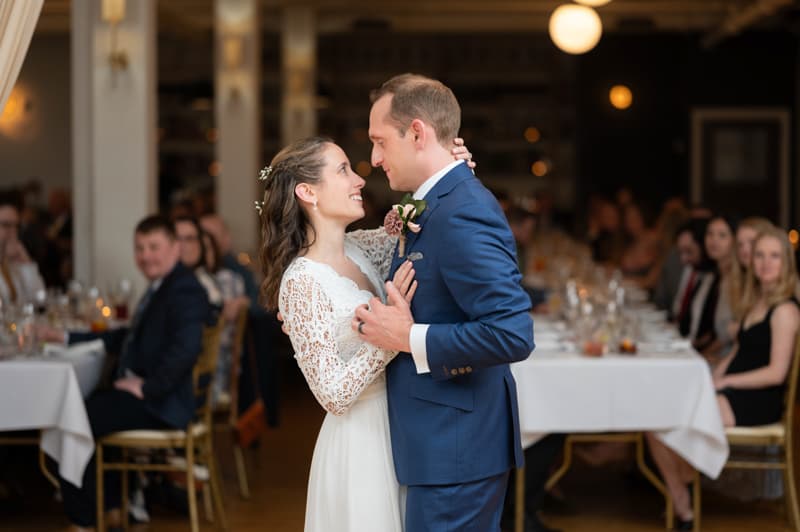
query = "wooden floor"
{"x": 596, "y": 499}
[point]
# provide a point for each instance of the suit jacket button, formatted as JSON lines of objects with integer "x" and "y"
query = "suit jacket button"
{"x": 462, "y": 371}
{"x": 469, "y": 369}
{"x": 453, "y": 371}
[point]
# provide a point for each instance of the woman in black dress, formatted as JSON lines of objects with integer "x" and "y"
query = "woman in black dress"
{"x": 750, "y": 382}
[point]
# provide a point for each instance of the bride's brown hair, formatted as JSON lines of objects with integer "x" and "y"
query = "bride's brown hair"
{"x": 284, "y": 224}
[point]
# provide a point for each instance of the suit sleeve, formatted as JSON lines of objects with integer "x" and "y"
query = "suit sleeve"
{"x": 112, "y": 340}
{"x": 187, "y": 313}
{"x": 481, "y": 273}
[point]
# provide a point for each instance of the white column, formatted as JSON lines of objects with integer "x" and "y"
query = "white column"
{"x": 299, "y": 52}
{"x": 114, "y": 138}
{"x": 237, "y": 104}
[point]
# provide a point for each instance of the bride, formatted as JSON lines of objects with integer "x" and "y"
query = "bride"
{"x": 316, "y": 275}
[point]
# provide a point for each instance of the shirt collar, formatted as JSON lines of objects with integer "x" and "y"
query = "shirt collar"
{"x": 429, "y": 183}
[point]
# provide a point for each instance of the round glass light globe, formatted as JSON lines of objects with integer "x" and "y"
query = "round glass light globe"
{"x": 575, "y": 29}
{"x": 593, "y": 3}
{"x": 620, "y": 96}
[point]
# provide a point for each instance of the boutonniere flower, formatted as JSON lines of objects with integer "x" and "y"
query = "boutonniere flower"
{"x": 400, "y": 219}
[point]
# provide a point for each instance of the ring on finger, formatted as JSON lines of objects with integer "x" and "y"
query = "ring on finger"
{"x": 360, "y": 327}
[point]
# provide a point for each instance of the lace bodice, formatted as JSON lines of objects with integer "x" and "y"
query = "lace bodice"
{"x": 318, "y": 306}
{"x": 377, "y": 246}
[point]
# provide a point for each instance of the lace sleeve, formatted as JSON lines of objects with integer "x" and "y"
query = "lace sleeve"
{"x": 311, "y": 325}
{"x": 377, "y": 246}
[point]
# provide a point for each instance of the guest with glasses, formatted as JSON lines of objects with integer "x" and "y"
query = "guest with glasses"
{"x": 193, "y": 255}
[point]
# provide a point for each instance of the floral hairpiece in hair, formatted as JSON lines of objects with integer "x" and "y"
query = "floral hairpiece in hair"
{"x": 263, "y": 176}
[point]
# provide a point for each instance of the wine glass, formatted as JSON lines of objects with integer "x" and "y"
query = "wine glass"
{"x": 121, "y": 297}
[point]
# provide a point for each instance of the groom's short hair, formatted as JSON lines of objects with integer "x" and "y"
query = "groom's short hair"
{"x": 416, "y": 96}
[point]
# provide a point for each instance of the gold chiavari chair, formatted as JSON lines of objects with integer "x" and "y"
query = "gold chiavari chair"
{"x": 227, "y": 408}
{"x": 196, "y": 441}
{"x": 778, "y": 435}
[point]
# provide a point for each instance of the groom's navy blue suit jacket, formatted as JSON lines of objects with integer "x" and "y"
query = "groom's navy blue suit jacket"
{"x": 459, "y": 423}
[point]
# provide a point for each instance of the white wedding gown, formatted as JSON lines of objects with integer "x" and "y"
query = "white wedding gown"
{"x": 352, "y": 485}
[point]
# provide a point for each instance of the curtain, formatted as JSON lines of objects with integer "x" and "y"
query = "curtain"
{"x": 17, "y": 22}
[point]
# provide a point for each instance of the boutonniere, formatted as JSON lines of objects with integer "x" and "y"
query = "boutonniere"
{"x": 400, "y": 219}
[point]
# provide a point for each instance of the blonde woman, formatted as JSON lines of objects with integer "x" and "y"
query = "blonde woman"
{"x": 751, "y": 382}
{"x": 746, "y": 234}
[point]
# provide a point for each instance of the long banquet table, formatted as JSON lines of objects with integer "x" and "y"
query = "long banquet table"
{"x": 47, "y": 392}
{"x": 665, "y": 388}
{"x": 668, "y": 393}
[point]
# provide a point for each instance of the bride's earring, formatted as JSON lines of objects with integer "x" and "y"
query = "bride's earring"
{"x": 315, "y": 205}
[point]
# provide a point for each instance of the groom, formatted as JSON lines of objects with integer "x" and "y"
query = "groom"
{"x": 452, "y": 399}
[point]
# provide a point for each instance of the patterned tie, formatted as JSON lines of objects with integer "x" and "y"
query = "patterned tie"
{"x": 124, "y": 356}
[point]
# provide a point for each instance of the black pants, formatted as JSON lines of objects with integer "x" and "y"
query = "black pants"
{"x": 109, "y": 411}
{"x": 538, "y": 460}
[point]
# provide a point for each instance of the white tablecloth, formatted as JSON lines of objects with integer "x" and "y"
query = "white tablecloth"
{"x": 670, "y": 394}
{"x": 47, "y": 393}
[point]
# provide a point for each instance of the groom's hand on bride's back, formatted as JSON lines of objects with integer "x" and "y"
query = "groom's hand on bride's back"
{"x": 386, "y": 326}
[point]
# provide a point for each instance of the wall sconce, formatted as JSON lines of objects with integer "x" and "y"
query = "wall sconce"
{"x": 233, "y": 52}
{"x": 233, "y": 60}
{"x": 113, "y": 12}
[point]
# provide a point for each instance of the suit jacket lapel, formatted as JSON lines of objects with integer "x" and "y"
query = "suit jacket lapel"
{"x": 441, "y": 189}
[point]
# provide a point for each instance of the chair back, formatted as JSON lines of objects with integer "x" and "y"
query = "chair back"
{"x": 204, "y": 370}
{"x": 239, "y": 328}
{"x": 791, "y": 390}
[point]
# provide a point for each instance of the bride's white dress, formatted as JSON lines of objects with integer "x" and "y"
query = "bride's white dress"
{"x": 352, "y": 485}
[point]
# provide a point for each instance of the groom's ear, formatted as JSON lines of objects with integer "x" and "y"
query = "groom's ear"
{"x": 417, "y": 128}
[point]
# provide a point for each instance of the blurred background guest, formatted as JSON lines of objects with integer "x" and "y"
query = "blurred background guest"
{"x": 640, "y": 254}
{"x": 193, "y": 255}
{"x": 263, "y": 328}
{"x": 693, "y": 305}
{"x": 721, "y": 248}
{"x": 19, "y": 275}
{"x": 231, "y": 285}
{"x": 605, "y": 234}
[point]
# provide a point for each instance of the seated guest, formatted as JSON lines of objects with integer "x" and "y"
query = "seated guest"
{"x": 153, "y": 389}
{"x": 663, "y": 280}
{"x": 694, "y": 303}
{"x": 605, "y": 236}
{"x": 523, "y": 225}
{"x": 264, "y": 327}
{"x": 193, "y": 255}
{"x": 231, "y": 285}
{"x": 720, "y": 246}
{"x": 746, "y": 234}
{"x": 640, "y": 253}
{"x": 750, "y": 382}
{"x": 19, "y": 275}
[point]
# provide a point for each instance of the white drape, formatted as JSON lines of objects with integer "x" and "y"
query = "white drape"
{"x": 17, "y": 22}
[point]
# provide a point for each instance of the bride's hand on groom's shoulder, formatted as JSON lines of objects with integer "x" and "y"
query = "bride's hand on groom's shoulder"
{"x": 462, "y": 152}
